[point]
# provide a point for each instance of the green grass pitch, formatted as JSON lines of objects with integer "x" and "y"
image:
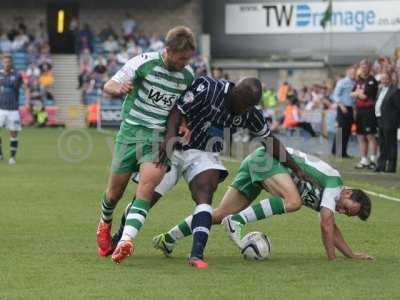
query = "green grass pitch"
{"x": 49, "y": 209}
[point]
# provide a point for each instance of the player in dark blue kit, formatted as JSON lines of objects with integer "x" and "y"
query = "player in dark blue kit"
{"x": 208, "y": 107}
{"x": 10, "y": 83}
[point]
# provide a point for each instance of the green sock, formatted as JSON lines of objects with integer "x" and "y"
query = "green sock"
{"x": 179, "y": 231}
{"x": 135, "y": 219}
{"x": 107, "y": 209}
{"x": 262, "y": 210}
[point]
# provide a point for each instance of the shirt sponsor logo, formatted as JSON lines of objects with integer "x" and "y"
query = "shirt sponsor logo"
{"x": 160, "y": 98}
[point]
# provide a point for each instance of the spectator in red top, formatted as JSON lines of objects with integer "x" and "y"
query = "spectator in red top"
{"x": 365, "y": 92}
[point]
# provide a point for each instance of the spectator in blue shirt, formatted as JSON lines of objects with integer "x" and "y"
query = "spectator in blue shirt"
{"x": 345, "y": 102}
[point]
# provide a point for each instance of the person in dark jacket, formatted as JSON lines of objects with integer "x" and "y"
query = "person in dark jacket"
{"x": 387, "y": 111}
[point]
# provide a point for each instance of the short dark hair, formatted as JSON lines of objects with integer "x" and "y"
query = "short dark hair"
{"x": 251, "y": 89}
{"x": 180, "y": 38}
{"x": 361, "y": 197}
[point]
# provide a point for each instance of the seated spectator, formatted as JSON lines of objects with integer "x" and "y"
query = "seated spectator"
{"x": 156, "y": 43}
{"x": 46, "y": 77}
{"x": 20, "y": 41}
{"x": 5, "y": 44}
{"x": 41, "y": 36}
{"x": 36, "y": 99}
{"x": 86, "y": 32}
{"x": 132, "y": 48}
{"x": 128, "y": 26}
{"x": 112, "y": 65}
{"x": 86, "y": 59}
{"x": 98, "y": 77}
{"x": 18, "y": 26}
{"x": 44, "y": 55}
{"x": 110, "y": 45}
{"x": 217, "y": 73}
{"x": 317, "y": 97}
{"x": 199, "y": 66}
{"x": 84, "y": 44}
{"x": 304, "y": 95}
{"x": 292, "y": 116}
{"x": 84, "y": 76}
{"x": 33, "y": 54}
{"x": 142, "y": 40}
{"x": 107, "y": 31}
{"x": 32, "y": 71}
{"x": 123, "y": 56}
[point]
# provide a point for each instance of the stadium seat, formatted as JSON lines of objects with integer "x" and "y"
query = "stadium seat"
{"x": 26, "y": 116}
{"x": 52, "y": 116}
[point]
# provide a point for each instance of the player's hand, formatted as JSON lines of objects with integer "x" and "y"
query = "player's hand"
{"x": 363, "y": 256}
{"x": 185, "y": 133}
{"x": 165, "y": 150}
{"x": 125, "y": 87}
{"x": 343, "y": 109}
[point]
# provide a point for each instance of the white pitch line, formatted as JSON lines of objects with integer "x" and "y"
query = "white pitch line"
{"x": 382, "y": 196}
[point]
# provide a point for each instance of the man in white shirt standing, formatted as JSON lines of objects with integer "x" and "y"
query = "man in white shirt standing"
{"x": 387, "y": 111}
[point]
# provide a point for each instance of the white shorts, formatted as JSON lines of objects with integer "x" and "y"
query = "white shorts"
{"x": 188, "y": 164}
{"x": 10, "y": 119}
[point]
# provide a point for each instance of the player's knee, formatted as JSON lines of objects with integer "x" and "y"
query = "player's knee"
{"x": 292, "y": 203}
{"x": 146, "y": 188}
{"x": 202, "y": 193}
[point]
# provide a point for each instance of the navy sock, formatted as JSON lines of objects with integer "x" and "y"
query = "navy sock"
{"x": 201, "y": 224}
{"x": 13, "y": 147}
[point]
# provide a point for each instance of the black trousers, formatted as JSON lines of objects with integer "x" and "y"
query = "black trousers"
{"x": 343, "y": 132}
{"x": 307, "y": 127}
{"x": 387, "y": 148}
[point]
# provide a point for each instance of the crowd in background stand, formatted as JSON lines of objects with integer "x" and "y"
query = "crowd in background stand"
{"x": 102, "y": 54}
{"x": 317, "y": 110}
{"x": 30, "y": 50}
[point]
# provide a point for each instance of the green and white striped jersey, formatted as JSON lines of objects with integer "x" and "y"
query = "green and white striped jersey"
{"x": 155, "y": 90}
{"x": 328, "y": 177}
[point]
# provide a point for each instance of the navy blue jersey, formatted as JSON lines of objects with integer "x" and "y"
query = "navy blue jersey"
{"x": 207, "y": 108}
{"x": 9, "y": 90}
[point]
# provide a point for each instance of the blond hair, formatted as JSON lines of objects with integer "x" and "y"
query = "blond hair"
{"x": 180, "y": 38}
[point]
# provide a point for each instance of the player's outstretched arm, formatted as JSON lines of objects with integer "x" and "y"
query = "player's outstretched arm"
{"x": 341, "y": 244}
{"x": 277, "y": 149}
{"x": 116, "y": 89}
{"x": 343, "y": 247}
{"x": 327, "y": 224}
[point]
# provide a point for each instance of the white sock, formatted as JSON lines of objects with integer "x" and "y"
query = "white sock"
{"x": 373, "y": 159}
{"x": 364, "y": 160}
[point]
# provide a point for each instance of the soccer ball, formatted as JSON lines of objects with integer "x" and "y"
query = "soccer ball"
{"x": 256, "y": 246}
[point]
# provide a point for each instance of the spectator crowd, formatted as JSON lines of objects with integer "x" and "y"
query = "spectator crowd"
{"x": 30, "y": 52}
{"x": 102, "y": 54}
{"x": 366, "y": 102}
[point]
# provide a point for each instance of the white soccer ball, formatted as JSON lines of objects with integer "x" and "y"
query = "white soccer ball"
{"x": 256, "y": 246}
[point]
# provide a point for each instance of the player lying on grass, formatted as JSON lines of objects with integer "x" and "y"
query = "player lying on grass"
{"x": 259, "y": 171}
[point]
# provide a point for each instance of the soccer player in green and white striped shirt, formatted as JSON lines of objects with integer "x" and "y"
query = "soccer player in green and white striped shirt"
{"x": 260, "y": 171}
{"x": 151, "y": 83}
